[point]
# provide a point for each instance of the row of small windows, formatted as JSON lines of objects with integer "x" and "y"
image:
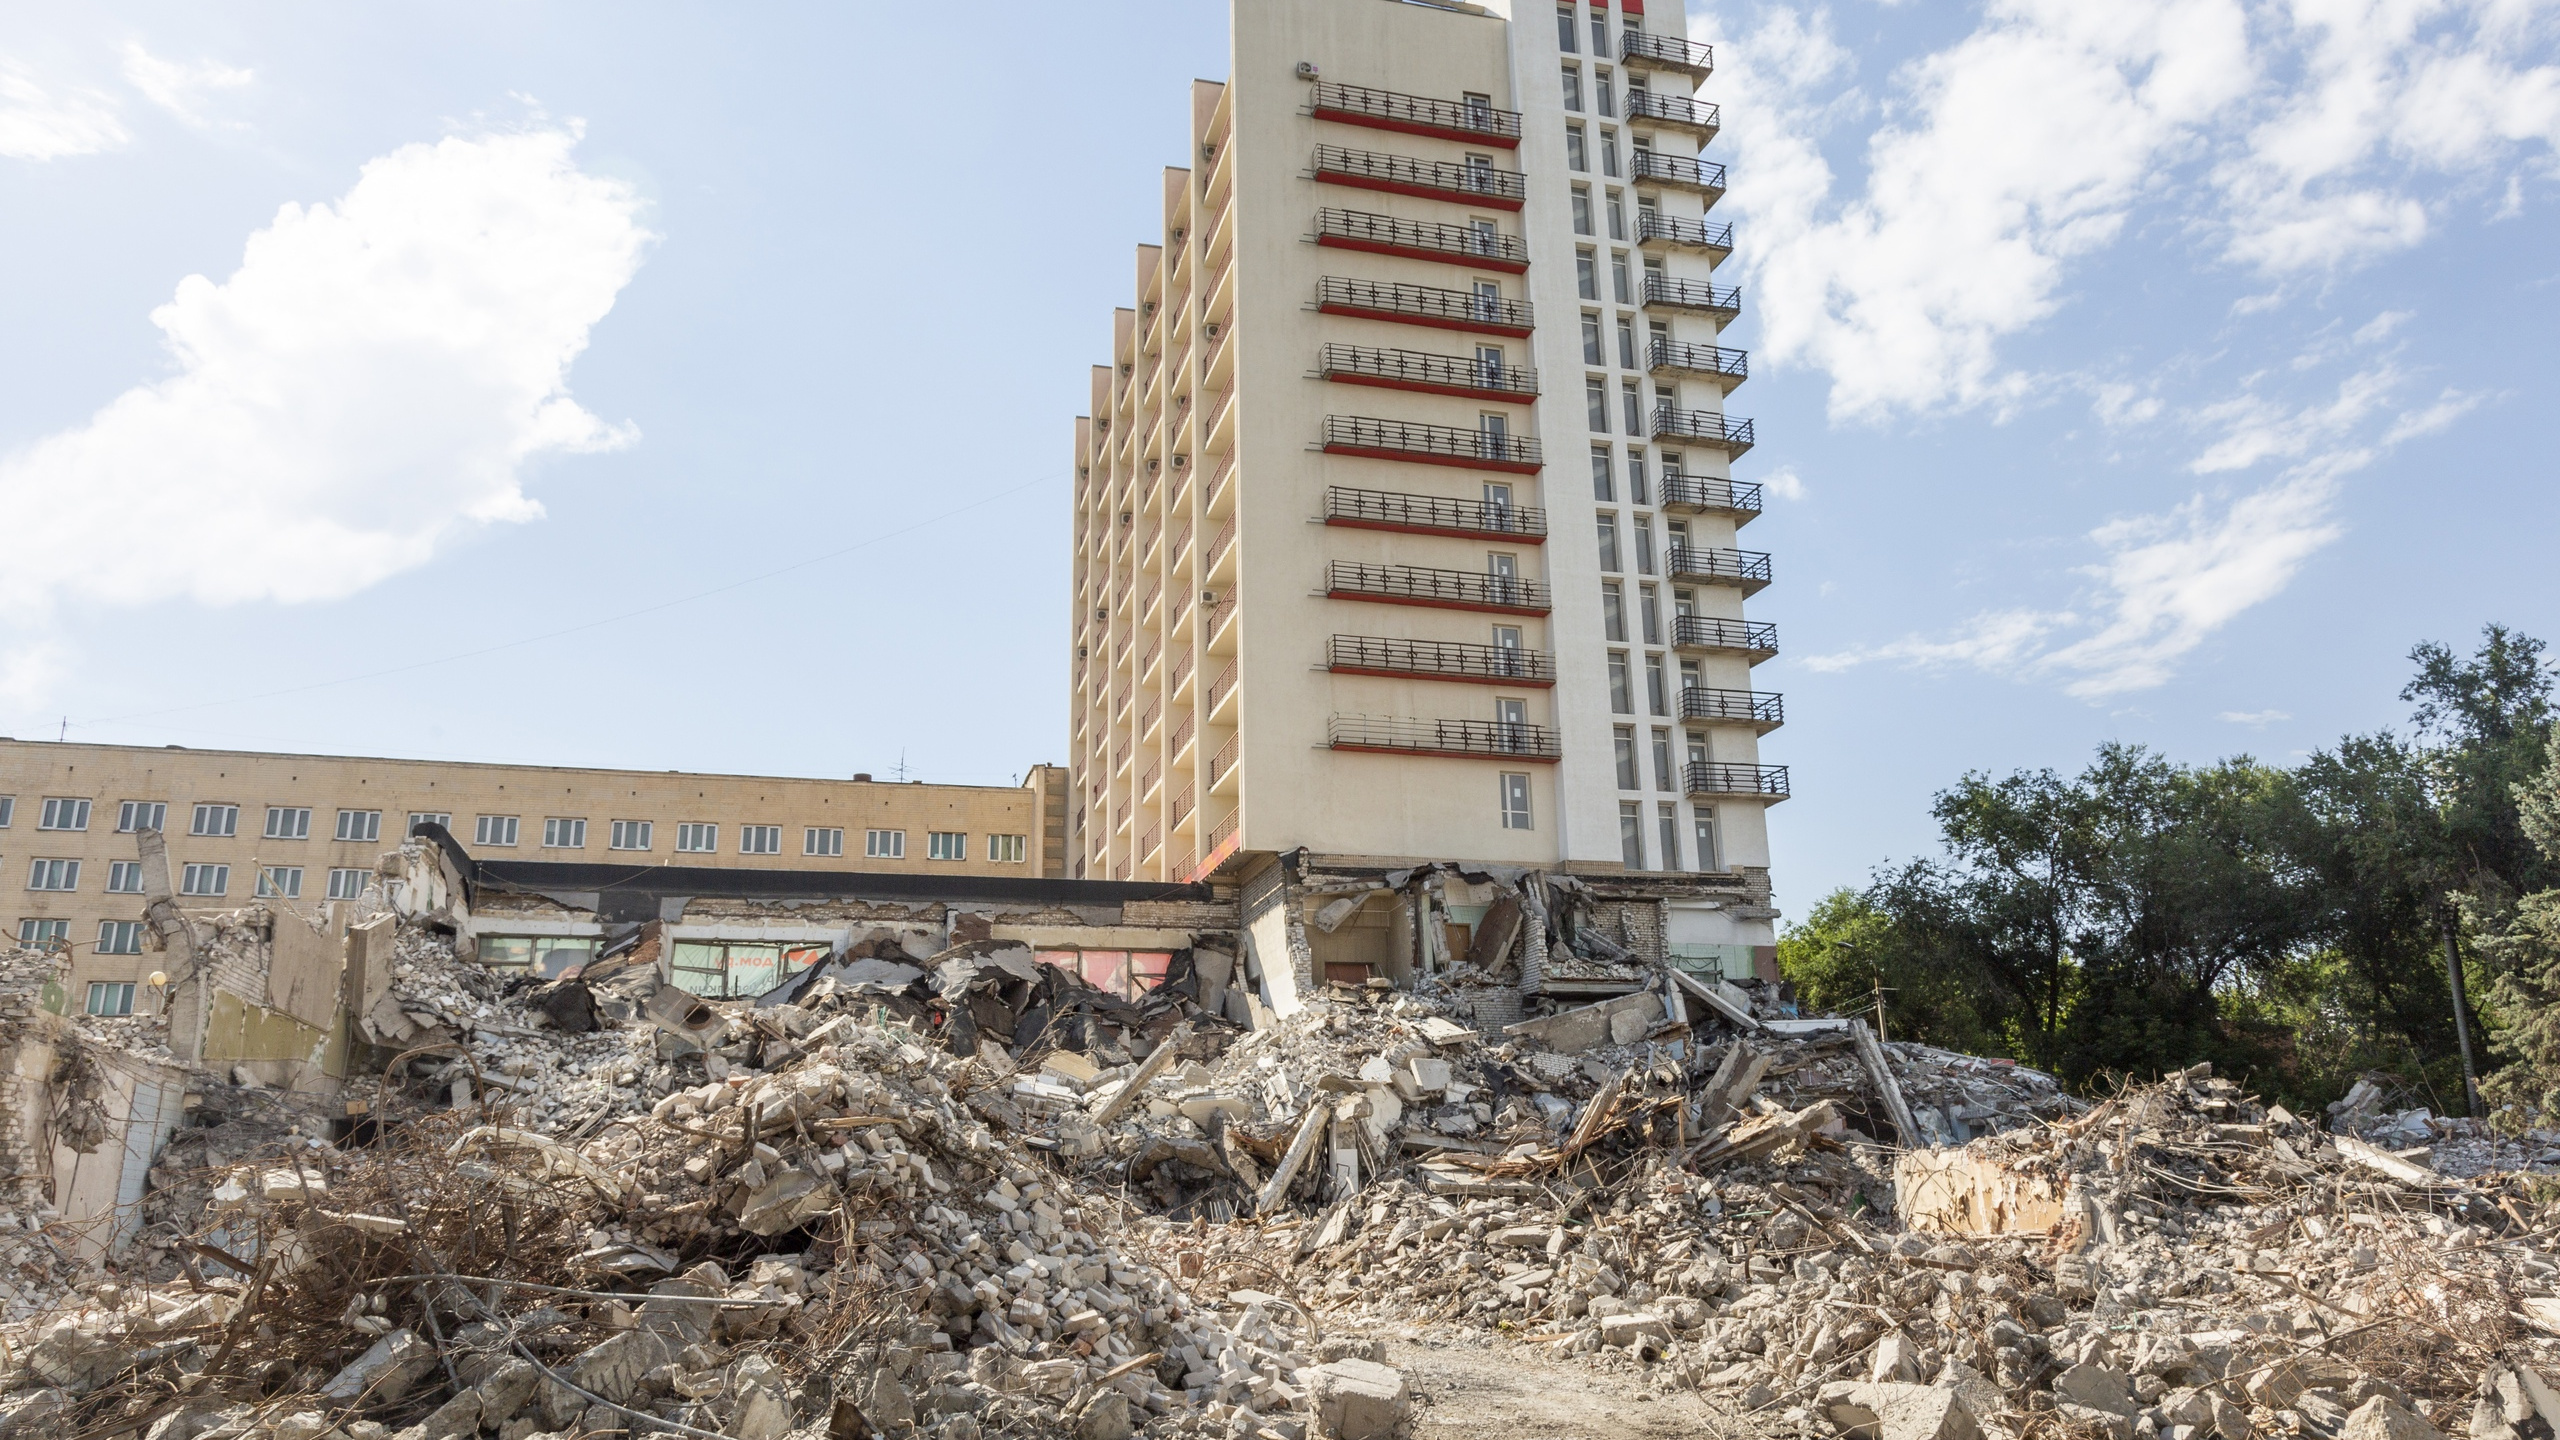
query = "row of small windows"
{"x": 284, "y": 822}
{"x": 115, "y": 937}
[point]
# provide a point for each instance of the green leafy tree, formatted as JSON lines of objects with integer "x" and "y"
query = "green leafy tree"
{"x": 1849, "y": 946}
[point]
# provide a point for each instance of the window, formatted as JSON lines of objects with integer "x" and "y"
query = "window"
{"x": 1479, "y": 117}
{"x": 1662, "y": 761}
{"x": 205, "y": 880}
{"x": 1586, "y": 275}
{"x": 281, "y": 881}
{"x": 1631, "y": 834}
{"x": 53, "y": 875}
{"x": 822, "y": 840}
{"x": 119, "y": 937}
{"x": 946, "y": 845}
{"x": 1608, "y": 152}
{"x": 1599, "y": 28}
{"x": 1595, "y": 404}
{"x": 438, "y": 818}
{"x": 884, "y": 844}
{"x": 1504, "y": 573}
{"x": 43, "y": 932}
{"x": 1644, "y": 544}
{"x": 63, "y": 815}
{"x": 564, "y": 834}
{"x": 362, "y": 826}
{"x": 495, "y": 830}
{"x": 8, "y": 808}
{"x": 1488, "y": 299}
{"x": 1480, "y": 174}
{"x": 1613, "y": 611}
{"x": 1633, "y": 403}
{"x": 1703, "y": 830}
{"x": 1622, "y": 695}
{"x": 1617, "y": 217}
{"x": 1564, "y": 29}
{"x": 1609, "y": 541}
{"x": 1618, "y": 280}
{"x": 1008, "y": 849}
{"x": 548, "y": 956}
{"x": 759, "y": 839}
{"x": 1486, "y": 234}
{"x": 345, "y": 884}
{"x": 108, "y": 997}
{"x": 1670, "y": 837}
{"x": 1650, "y": 606}
{"x": 1575, "y": 154}
{"x": 1582, "y": 210}
{"x": 1601, "y": 488}
{"x": 124, "y": 877}
{"x": 1655, "y": 689}
{"x": 1572, "y": 88}
{"x": 1511, "y": 722}
{"x": 1624, "y": 742}
{"x": 717, "y": 970}
{"x": 631, "y": 834}
{"x": 1637, "y": 490}
{"x": 216, "y": 820}
{"x": 288, "y": 822}
{"x": 697, "y": 839}
{"x": 1608, "y": 98}
{"x": 1592, "y": 354}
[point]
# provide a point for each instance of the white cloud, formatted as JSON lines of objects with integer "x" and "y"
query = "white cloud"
{"x": 1784, "y": 483}
{"x": 2254, "y": 719}
{"x": 374, "y": 378}
{"x": 181, "y": 87}
{"x": 1999, "y": 640}
{"x": 2118, "y": 405}
{"x": 2256, "y": 428}
{"x": 42, "y": 123}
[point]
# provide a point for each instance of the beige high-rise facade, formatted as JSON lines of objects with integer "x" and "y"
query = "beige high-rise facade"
{"x": 1405, "y": 519}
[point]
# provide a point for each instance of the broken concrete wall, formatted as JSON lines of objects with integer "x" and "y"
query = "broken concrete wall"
{"x": 1275, "y": 943}
{"x": 1972, "y": 1192}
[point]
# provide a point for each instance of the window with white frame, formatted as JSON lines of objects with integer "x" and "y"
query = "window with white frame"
{"x": 110, "y": 997}
{"x": 138, "y": 815}
{"x": 119, "y": 937}
{"x": 288, "y": 822}
{"x": 564, "y": 833}
{"x": 346, "y": 884}
{"x": 221, "y": 821}
{"x": 429, "y": 817}
{"x": 822, "y": 840}
{"x": 946, "y": 845}
{"x": 1631, "y": 834}
{"x": 697, "y": 839}
{"x": 1008, "y": 849}
{"x": 1515, "y": 800}
{"x": 495, "y": 830}
{"x": 53, "y": 875}
{"x": 884, "y": 844}
{"x": 759, "y": 839}
{"x": 280, "y": 882}
{"x": 43, "y": 932}
{"x": 631, "y": 834}
{"x": 205, "y": 880}
{"x": 124, "y": 877}
{"x": 363, "y": 826}
{"x": 8, "y": 809}
{"x": 63, "y": 814}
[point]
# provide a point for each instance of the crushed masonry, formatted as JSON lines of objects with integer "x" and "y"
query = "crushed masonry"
{"x": 953, "y": 1190}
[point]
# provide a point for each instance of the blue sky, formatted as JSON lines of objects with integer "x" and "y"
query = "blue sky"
{"x": 664, "y": 387}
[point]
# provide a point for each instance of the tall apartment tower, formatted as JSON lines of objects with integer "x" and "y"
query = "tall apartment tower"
{"x": 1405, "y": 524}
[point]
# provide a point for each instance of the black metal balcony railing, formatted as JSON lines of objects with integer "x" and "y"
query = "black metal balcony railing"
{"x": 1637, "y": 47}
{"x": 1431, "y": 514}
{"x": 1418, "y": 114}
{"x": 1426, "y": 304}
{"x": 1663, "y": 291}
{"x": 1411, "y": 175}
{"x": 1491, "y": 739}
{"x": 1652, "y": 225}
{"x": 1683, "y": 491}
{"x": 1439, "y": 660}
{"x": 1702, "y": 427}
{"x": 1712, "y": 777}
{"x": 1759, "y": 709}
{"x": 1677, "y": 110}
{"x": 1757, "y": 639}
{"x": 1746, "y": 568}
{"x": 1425, "y": 585}
{"x": 1395, "y": 235}
{"x": 1705, "y": 177}
{"x": 1431, "y": 444}
{"x": 1422, "y": 370}
{"x": 1717, "y": 360}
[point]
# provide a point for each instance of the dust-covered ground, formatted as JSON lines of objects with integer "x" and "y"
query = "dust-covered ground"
{"x": 1507, "y": 1390}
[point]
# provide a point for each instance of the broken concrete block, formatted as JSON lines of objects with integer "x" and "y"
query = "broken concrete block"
{"x": 785, "y": 1202}
{"x": 2383, "y": 1418}
{"x": 1358, "y": 1400}
{"x": 2095, "y": 1421}
{"x": 1897, "y": 1412}
{"x": 2100, "y": 1387}
{"x": 759, "y": 1415}
{"x": 1626, "y": 1329}
{"x": 1075, "y": 1069}
{"x": 1199, "y": 1108}
{"x": 383, "y": 1373}
{"x": 1105, "y": 1417}
{"x": 1896, "y": 1361}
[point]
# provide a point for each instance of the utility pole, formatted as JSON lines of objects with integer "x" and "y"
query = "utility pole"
{"x": 2461, "y": 1009}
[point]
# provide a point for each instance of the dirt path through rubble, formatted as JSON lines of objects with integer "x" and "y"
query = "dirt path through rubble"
{"x": 1470, "y": 1392}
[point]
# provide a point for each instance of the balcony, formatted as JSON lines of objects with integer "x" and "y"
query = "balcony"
{"x": 1426, "y": 373}
{"x": 1759, "y": 709}
{"x": 1440, "y": 660}
{"x": 1679, "y": 172}
{"x": 1425, "y": 305}
{"x": 1433, "y": 515}
{"x": 1421, "y": 240}
{"x": 1661, "y": 292}
{"x": 1439, "y": 589}
{"x": 1710, "y": 777}
{"x": 1422, "y": 444}
{"x": 1683, "y": 493}
{"x": 1748, "y": 569}
{"x": 1471, "y": 183}
{"x": 1663, "y": 52}
{"x": 1675, "y": 112}
{"x": 1474, "y": 121}
{"x": 1711, "y": 428}
{"x": 1463, "y": 739}
{"x": 1223, "y": 764}
{"x": 1725, "y": 366}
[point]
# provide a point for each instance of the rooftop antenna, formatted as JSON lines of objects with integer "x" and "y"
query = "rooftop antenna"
{"x": 65, "y": 732}
{"x": 900, "y": 770}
